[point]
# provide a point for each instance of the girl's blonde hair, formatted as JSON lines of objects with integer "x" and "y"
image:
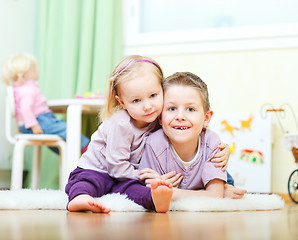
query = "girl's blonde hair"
{"x": 190, "y": 80}
{"x": 125, "y": 70}
{"x": 15, "y": 66}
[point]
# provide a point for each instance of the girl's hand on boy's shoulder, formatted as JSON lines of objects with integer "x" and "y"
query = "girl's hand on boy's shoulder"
{"x": 222, "y": 157}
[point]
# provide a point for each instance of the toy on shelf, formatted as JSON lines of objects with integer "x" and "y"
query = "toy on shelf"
{"x": 90, "y": 95}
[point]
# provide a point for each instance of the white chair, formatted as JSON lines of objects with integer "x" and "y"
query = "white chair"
{"x": 20, "y": 141}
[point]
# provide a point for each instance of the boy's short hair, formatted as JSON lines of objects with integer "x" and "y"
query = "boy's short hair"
{"x": 191, "y": 80}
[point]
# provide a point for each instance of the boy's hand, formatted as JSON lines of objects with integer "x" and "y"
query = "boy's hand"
{"x": 173, "y": 178}
{"x": 233, "y": 192}
{"x": 36, "y": 129}
{"x": 222, "y": 157}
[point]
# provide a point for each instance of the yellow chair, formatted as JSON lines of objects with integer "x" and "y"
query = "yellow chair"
{"x": 20, "y": 141}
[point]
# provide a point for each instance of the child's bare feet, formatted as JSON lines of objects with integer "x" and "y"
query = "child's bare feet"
{"x": 161, "y": 192}
{"x": 85, "y": 202}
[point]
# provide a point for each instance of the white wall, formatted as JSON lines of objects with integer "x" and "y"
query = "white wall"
{"x": 18, "y": 34}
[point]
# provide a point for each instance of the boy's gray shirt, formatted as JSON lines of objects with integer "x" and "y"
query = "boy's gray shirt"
{"x": 159, "y": 157}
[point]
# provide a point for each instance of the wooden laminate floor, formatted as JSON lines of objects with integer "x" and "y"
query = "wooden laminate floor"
{"x": 60, "y": 224}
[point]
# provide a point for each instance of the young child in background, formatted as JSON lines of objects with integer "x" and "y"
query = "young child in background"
{"x": 110, "y": 163}
{"x": 184, "y": 144}
{"x": 33, "y": 114}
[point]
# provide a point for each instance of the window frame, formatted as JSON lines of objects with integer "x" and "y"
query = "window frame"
{"x": 207, "y": 40}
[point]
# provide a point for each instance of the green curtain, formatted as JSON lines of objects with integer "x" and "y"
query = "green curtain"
{"x": 79, "y": 42}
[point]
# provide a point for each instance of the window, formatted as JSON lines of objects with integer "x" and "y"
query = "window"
{"x": 176, "y": 26}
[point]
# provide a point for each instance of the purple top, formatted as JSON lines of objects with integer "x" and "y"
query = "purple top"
{"x": 159, "y": 157}
{"x": 116, "y": 147}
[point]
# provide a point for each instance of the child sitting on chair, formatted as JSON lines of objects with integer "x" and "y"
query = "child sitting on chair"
{"x": 32, "y": 111}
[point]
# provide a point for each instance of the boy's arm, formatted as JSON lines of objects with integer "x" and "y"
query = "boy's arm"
{"x": 210, "y": 171}
{"x": 214, "y": 188}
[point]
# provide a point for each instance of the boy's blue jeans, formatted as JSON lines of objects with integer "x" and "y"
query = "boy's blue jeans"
{"x": 230, "y": 179}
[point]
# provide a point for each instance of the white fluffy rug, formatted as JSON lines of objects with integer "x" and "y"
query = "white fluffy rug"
{"x": 55, "y": 199}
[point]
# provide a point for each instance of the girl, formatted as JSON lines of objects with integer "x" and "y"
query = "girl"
{"x": 134, "y": 103}
{"x": 32, "y": 112}
{"x": 184, "y": 144}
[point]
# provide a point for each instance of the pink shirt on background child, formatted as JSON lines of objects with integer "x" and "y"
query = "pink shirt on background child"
{"x": 116, "y": 147}
{"x": 29, "y": 102}
{"x": 159, "y": 156}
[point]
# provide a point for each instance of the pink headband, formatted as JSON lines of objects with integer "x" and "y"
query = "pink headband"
{"x": 140, "y": 60}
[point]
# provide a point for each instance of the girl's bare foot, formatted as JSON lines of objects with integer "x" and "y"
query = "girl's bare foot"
{"x": 85, "y": 202}
{"x": 161, "y": 192}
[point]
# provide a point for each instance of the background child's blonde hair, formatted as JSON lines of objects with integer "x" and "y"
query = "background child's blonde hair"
{"x": 190, "y": 80}
{"x": 15, "y": 66}
{"x": 125, "y": 70}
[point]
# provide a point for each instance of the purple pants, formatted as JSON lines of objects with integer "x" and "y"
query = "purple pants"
{"x": 97, "y": 184}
